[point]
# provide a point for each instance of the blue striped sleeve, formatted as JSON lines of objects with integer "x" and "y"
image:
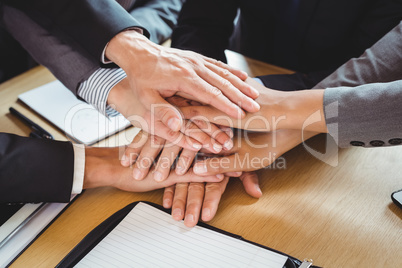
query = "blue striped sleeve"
{"x": 95, "y": 90}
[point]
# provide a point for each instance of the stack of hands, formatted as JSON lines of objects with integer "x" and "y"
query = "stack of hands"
{"x": 202, "y": 122}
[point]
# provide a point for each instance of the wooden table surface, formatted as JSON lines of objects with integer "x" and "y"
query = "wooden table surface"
{"x": 338, "y": 216}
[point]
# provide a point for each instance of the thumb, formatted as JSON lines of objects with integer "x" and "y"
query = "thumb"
{"x": 165, "y": 112}
{"x": 250, "y": 183}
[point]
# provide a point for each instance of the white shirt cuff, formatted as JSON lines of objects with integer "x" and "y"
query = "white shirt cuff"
{"x": 79, "y": 168}
{"x": 105, "y": 60}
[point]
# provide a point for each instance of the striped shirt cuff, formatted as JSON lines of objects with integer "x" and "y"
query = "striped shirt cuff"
{"x": 95, "y": 90}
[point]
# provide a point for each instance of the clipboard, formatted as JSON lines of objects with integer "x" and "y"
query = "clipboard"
{"x": 102, "y": 230}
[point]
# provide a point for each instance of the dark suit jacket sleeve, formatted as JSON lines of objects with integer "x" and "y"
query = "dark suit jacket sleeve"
{"x": 295, "y": 81}
{"x": 205, "y": 27}
{"x": 77, "y": 65}
{"x": 70, "y": 64}
{"x": 207, "y": 30}
{"x": 35, "y": 170}
{"x": 90, "y": 23}
{"x": 158, "y": 17}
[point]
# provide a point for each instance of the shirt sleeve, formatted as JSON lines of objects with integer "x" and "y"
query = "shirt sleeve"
{"x": 258, "y": 80}
{"x": 95, "y": 90}
{"x": 79, "y": 168}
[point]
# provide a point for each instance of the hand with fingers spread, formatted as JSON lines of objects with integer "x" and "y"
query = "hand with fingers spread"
{"x": 279, "y": 110}
{"x": 144, "y": 150}
{"x": 190, "y": 200}
{"x": 102, "y": 168}
{"x": 189, "y": 136}
{"x": 155, "y": 72}
{"x": 148, "y": 150}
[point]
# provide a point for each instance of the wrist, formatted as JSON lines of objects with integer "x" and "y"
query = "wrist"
{"x": 304, "y": 110}
{"x": 96, "y": 168}
{"x": 286, "y": 139}
{"x": 126, "y": 47}
{"x": 122, "y": 99}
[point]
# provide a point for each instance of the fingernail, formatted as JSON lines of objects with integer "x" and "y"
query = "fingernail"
{"x": 228, "y": 145}
{"x": 237, "y": 174}
{"x": 124, "y": 161}
{"x": 206, "y": 212}
{"x": 176, "y": 212}
{"x": 256, "y": 106}
{"x": 197, "y": 146}
{"x": 258, "y": 189}
{"x": 217, "y": 148}
{"x": 255, "y": 91}
{"x": 174, "y": 124}
{"x": 220, "y": 176}
{"x": 166, "y": 203}
{"x": 136, "y": 174}
{"x": 189, "y": 217}
{"x": 200, "y": 168}
{"x": 158, "y": 176}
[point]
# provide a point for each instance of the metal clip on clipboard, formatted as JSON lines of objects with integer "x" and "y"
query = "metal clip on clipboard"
{"x": 306, "y": 263}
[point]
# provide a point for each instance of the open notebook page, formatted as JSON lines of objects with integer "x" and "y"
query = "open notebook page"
{"x": 79, "y": 120}
{"x": 149, "y": 237}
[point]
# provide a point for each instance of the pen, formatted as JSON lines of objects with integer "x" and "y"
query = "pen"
{"x": 38, "y": 132}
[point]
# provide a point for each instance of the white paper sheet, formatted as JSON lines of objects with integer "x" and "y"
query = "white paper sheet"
{"x": 16, "y": 220}
{"x": 29, "y": 231}
{"x": 77, "y": 119}
{"x": 149, "y": 237}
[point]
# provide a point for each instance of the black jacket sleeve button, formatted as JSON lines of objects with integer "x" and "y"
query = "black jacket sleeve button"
{"x": 395, "y": 141}
{"x": 357, "y": 143}
{"x": 377, "y": 143}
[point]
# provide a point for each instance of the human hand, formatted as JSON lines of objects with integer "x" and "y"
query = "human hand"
{"x": 252, "y": 151}
{"x": 279, "y": 110}
{"x": 143, "y": 153}
{"x": 102, "y": 168}
{"x": 193, "y": 135}
{"x": 189, "y": 200}
{"x": 144, "y": 148}
{"x": 156, "y": 72}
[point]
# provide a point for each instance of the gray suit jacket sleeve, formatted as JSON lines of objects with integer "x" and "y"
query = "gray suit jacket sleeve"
{"x": 362, "y": 100}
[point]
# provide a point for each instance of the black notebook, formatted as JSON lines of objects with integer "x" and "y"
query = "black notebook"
{"x": 144, "y": 235}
